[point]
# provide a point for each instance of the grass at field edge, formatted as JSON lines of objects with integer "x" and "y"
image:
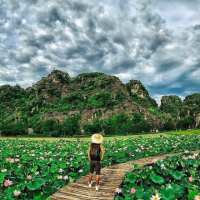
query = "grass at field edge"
{"x": 113, "y": 137}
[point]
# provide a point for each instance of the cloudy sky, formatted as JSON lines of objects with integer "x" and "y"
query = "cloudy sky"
{"x": 156, "y": 42}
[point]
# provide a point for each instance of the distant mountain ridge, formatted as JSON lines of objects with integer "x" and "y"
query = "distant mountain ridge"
{"x": 92, "y": 101}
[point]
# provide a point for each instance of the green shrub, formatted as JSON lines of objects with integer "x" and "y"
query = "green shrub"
{"x": 55, "y": 133}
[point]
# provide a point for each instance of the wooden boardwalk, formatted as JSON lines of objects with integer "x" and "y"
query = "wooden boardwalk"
{"x": 111, "y": 178}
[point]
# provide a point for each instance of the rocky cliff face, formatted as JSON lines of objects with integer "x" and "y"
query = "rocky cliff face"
{"x": 188, "y": 108}
{"x": 92, "y": 96}
{"x": 192, "y": 106}
{"x": 171, "y": 104}
{"x": 140, "y": 95}
{"x": 131, "y": 97}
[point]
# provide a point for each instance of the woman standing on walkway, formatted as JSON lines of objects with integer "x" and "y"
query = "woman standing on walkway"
{"x": 94, "y": 157}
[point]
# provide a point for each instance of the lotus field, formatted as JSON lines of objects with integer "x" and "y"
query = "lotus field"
{"x": 173, "y": 178}
{"x": 37, "y": 169}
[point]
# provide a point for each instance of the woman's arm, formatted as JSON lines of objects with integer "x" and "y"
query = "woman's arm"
{"x": 89, "y": 153}
{"x": 102, "y": 152}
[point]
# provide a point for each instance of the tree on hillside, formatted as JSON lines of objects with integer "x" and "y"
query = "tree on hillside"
{"x": 13, "y": 129}
{"x": 71, "y": 127}
{"x": 139, "y": 124}
{"x": 168, "y": 126}
{"x": 90, "y": 129}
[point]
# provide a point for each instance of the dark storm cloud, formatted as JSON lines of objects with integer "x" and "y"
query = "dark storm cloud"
{"x": 74, "y": 52}
{"x": 50, "y": 16}
{"x": 78, "y": 6}
{"x": 127, "y": 39}
{"x": 94, "y": 56}
{"x": 101, "y": 40}
{"x": 197, "y": 27}
{"x": 124, "y": 65}
{"x": 168, "y": 65}
{"x": 119, "y": 38}
{"x": 107, "y": 24}
{"x": 157, "y": 41}
{"x": 4, "y": 77}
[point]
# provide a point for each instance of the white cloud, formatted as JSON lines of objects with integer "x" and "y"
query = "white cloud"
{"x": 144, "y": 40}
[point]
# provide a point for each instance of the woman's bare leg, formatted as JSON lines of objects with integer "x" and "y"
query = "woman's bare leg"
{"x": 90, "y": 177}
{"x": 97, "y": 179}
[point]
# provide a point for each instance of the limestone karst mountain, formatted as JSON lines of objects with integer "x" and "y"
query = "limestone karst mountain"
{"x": 91, "y": 102}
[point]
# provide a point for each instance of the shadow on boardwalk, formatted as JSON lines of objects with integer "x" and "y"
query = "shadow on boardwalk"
{"x": 111, "y": 178}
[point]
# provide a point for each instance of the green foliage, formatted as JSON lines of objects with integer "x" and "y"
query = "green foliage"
{"x": 88, "y": 91}
{"x": 171, "y": 104}
{"x": 51, "y": 127}
{"x": 48, "y": 126}
{"x": 48, "y": 158}
{"x": 92, "y": 75}
{"x": 62, "y": 79}
{"x": 9, "y": 93}
{"x": 136, "y": 99}
{"x": 55, "y": 133}
{"x": 54, "y": 92}
{"x": 139, "y": 124}
{"x": 115, "y": 125}
{"x": 168, "y": 178}
{"x": 192, "y": 99}
{"x": 183, "y": 113}
{"x": 40, "y": 88}
{"x": 168, "y": 126}
{"x": 87, "y": 88}
{"x": 122, "y": 124}
{"x": 100, "y": 99}
{"x": 70, "y": 102}
{"x": 185, "y": 123}
{"x": 73, "y": 99}
{"x": 72, "y": 89}
{"x": 104, "y": 83}
{"x": 76, "y": 80}
{"x": 90, "y": 129}
{"x": 154, "y": 111}
{"x": 13, "y": 129}
{"x": 148, "y": 102}
{"x": 119, "y": 97}
{"x": 71, "y": 127}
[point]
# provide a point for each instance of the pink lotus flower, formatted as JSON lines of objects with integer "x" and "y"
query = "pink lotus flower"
{"x": 133, "y": 191}
{"x": 16, "y": 193}
{"x": 150, "y": 167}
{"x": 191, "y": 179}
{"x": 11, "y": 160}
{"x": 163, "y": 166}
{"x": 7, "y": 183}
{"x": 118, "y": 190}
{"x": 29, "y": 177}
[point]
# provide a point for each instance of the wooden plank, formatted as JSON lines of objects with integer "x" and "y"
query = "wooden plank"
{"x": 88, "y": 195}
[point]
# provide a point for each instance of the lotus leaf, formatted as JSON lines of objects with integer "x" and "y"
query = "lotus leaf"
{"x": 167, "y": 194}
{"x": 192, "y": 194}
{"x": 157, "y": 179}
{"x": 177, "y": 175}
